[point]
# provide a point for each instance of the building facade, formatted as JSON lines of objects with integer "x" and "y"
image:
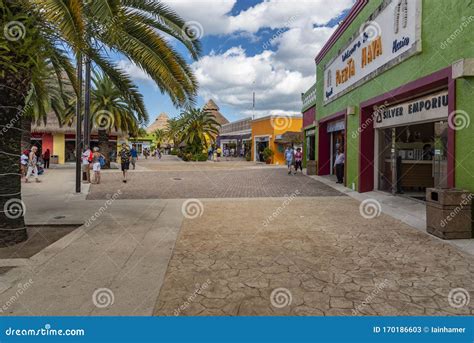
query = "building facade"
{"x": 236, "y": 135}
{"x": 272, "y": 132}
{"x": 395, "y": 86}
{"x": 309, "y": 124}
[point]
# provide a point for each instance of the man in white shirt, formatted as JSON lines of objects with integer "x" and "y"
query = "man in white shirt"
{"x": 86, "y": 161}
{"x": 339, "y": 165}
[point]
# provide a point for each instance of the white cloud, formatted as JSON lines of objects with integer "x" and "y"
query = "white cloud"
{"x": 278, "y": 77}
{"x": 230, "y": 78}
{"x": 133, "y": 70}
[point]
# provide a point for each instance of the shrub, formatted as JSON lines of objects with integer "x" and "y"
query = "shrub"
{"x": 174, "y": 151}
{"x": 268, "y": 154}
{"x": 201, "y": 157}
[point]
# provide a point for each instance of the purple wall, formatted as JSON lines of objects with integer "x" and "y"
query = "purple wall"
{"x": 309, "y": 116}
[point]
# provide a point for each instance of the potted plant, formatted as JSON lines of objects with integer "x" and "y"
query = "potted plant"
{"x": 267, "y": 155}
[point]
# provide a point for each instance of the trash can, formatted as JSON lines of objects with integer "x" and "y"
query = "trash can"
{"x": 311, "y": 167}
{"x": 448, "y": 213}
{"x": 54, "y": 159}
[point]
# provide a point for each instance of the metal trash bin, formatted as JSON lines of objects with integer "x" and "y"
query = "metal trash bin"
{"x": 311, "y": 167}
{"x": 448, "y": 213}
{"x": 54, "y": 159}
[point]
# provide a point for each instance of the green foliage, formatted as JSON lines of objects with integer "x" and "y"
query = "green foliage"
{"x": 268, "y": 153}
{"x": 174, "y": 152}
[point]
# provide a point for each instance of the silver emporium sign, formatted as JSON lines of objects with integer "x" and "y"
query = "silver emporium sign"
{"x": 389, "y": 36}
{"x": 428, "y": 108}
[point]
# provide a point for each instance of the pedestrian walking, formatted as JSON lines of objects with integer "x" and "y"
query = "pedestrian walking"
{"x": 125, "y": 157}
{"x": 98, "y": 161}
{"x": 289, "y": 157}
{"x": 298, "y": 160}
{"x": 24, "y": 162}
{"x": 32, "y": 164}
{"x": 339, "y": 165}
{"x": 46, "y": 158}
{"x": 134, "y": 155}
{"x": 219, "y": 152}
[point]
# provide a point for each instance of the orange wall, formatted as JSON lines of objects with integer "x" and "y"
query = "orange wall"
{"x": 273, "y": 127}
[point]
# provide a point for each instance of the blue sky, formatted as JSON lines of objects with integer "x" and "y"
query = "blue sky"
{"x": 250, "y": 45}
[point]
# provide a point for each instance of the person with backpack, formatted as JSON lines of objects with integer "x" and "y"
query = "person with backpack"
{"x": 98, "y": 161}
{"x": 125, "y": 157}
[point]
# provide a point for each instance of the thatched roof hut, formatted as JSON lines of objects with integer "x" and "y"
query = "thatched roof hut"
{"x": 160, "y": 123}
{"x": 212, "y": 107}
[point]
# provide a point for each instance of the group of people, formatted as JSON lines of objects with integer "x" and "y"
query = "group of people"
{"x": 215, "y": 153}
{"x": 94, "y": 160}
{"x": 294, "y": 159}
{"x": 33, "y": 164}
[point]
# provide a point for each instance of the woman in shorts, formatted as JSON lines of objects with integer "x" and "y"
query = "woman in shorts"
{"x": 96, "y": 165}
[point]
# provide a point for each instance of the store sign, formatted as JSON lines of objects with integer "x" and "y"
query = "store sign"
{"x": 391, "y": 35}
{"x": 336, "y": 126}
{"x": 428, "y": 108}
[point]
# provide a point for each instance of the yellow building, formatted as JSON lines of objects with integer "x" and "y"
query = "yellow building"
{"x": 276, "y": 133}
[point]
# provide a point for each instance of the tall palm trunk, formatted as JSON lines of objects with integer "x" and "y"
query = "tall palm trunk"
{"x": 13, "y": 91}
{"x": 25, "y": 132}
{"x": 104, "y": 146}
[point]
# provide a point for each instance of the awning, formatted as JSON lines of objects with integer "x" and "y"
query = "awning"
{"x": 289, "y": 137}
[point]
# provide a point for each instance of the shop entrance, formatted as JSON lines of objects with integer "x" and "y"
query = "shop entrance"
{"x": 260, "y": 144}
{"x": 413, "y": 158}
{"x": 337, "y": 143}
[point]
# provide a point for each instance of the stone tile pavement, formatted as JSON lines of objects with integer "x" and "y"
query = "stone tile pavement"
{"x": 230, "y": 183}
{"x": 316, "y": 256}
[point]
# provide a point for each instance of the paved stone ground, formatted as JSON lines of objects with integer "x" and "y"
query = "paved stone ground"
{"x": 320, "y": 252}
{"x": 231, "y": 183}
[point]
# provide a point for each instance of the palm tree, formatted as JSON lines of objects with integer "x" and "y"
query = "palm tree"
{"x": 199, "y": 127}
{"x": 110, "y": 110}
{"x": 38, "y": 30}
{"x": 173, "y": 131}
{"x": 46, "y": 95}
{"x": 160, "y": 137}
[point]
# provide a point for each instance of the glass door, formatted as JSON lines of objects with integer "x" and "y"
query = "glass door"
{"x": 440, "y": 158}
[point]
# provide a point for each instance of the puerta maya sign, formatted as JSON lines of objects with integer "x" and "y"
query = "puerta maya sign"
{"x": 389, "y": 36}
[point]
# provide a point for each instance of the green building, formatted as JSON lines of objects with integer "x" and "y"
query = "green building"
{"x": 395, "y": 92}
